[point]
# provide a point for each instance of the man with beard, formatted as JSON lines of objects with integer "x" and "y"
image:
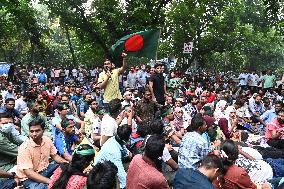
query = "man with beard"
{"x": 9, "y": 108}
{"x": 157, "y": 85}
{"x": 63, "y": 110}
{"x": 9, "y": 93}
{"x": 146, "y": 108}
{"x": 275, "y": 131}
{"x": 84, "y": 106}
{"x": 256, "y": 107}
{"x": 33, "y": 114}
{"x": 65, "y": 139}
{"x": 269, "y": 115}
{"x": 90, "y": 116}
{"x": 108, "y": 80}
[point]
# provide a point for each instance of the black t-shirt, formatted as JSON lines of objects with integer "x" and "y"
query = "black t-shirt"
{"x": 158, "y": 86}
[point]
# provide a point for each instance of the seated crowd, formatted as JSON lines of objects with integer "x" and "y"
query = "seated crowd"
{"x": 204, "y": 137}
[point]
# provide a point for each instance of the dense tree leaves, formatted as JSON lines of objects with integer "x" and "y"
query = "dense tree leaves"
{"x": 229, "y": 34}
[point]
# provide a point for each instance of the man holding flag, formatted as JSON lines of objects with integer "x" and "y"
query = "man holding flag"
{"x": 139, "y": 44}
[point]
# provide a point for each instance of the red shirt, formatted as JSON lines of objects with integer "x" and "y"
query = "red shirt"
{"x": 211, "y": 98}
{"x": 75, "y": 181}
{"x": 144, "y": 175}
{"x": 236, "y": 178}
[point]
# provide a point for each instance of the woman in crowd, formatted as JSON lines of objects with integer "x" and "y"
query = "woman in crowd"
{"x": 178, "y": 124}
{"x": 228, "y": 123}
{"x": 102, "y": 176}
{"x": 71, "y": 176}
{"x": 240, "y": 175}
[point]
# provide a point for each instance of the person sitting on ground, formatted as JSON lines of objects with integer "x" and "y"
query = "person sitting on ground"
{"x": 275, "y": 131}
{"x": 102, "y": 176}
{"x": 9, "y": 107}
{"x": 71, "y": 176}
{"x": 143, "y": 172}
{"x": 90, "y": 116}
{"x": 269, "y": 115}
{"x": 65, "y": 139}
{"x": 33, "y": 113}
{"x": 194, "y": 147}
{"x": 63, "y": 109}
{"x": 111, "y": 121}
{"x": 228, "y": 124}
{"x": 8, "y": 143}
{"x": 210, "y": 168}
{"x": 33, "y": 167}
{"x": 236, "y": 176}
{"x": 114, "y": 150}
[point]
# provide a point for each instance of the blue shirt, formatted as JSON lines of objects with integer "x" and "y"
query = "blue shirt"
{"x": 192, "y": 150}
{"x": 64, "y": 144}
{"x": 75, "y": 98}
{"x": 193, "y": 179}
{"x": 57, "y": 120}
{"x": 42, "y": 77}
{"x": 268, "y": 116}
{"x": 84, "y": 106}
{"x": 14, "y": 112}
{"x": 113, "y": 151}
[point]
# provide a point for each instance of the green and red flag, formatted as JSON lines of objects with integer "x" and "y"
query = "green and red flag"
{"x": 139, "y": 44}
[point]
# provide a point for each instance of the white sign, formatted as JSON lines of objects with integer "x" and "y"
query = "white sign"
{"x": 187, "y": 47}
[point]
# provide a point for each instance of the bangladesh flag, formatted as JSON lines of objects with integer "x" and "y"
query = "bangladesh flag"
{"x": 139, "y": 44}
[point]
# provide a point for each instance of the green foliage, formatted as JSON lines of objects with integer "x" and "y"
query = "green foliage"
{"x": 229, "y": 34}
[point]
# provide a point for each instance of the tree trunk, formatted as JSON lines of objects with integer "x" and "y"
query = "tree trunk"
{"x": 70, "y": 45}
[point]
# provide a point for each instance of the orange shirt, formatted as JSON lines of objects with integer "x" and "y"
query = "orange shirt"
{"x": 33, "y": 156}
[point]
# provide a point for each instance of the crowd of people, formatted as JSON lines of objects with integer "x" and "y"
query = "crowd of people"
{"x": 140, "y": 128}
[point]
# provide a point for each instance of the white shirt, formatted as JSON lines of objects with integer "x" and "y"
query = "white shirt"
{"x": 253, "y": 80}
{"x": 108, "y": 126}
{"x": 243, "y": 79}
{"x": 21, "y": 105}
{"x": 93, "y": 73}
{"x": 97, "y": 126}
{"x": 66, "y": 72}
{"x": 74, "y": 73}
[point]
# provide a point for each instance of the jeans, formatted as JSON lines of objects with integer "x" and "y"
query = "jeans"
{"x": 277, "y": 166}
{"x": 48, "y": 172}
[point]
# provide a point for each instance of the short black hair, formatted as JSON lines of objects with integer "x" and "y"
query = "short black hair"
{"x": 143, "y": 130}
{"x": 37, "y": 121}
{"x": 212, "y": 161}
{"x": 232, "y": 152}
{"x": 114, "y": 106}
{"x": 9, "y": 100}
{"x": 124, "y": 132}
{"x": 279, "y": 102}
{"x": 102, "y": 176}
{"x": 157, "y": 127}
{"x": 157, "y": 65}
{"x": 197, "y": 122}
{"x": 5, "y": 115}
{"x": 154, "y": 147}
